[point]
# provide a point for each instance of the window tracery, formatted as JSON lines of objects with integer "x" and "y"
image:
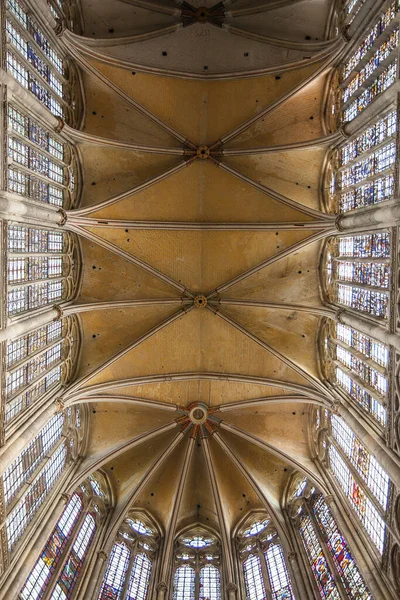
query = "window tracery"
{"x": 361, "y": 80}
{"x": 130, "y": 565}
{"x": 29, "y": 479}
{"x": 358, "y": 270}
{"x": 263, "y": 561}
{"x": 197, "y": 574}
{"x": 361, "y": 478}
{"x": 37, "y": 363}
{"x": 334, "y": 568}
{"x": 40, "y": 165}
{"x": 362, "y": 169}
{"x": 60, "y": 564}
{"x": 41, "y": 267}
{"x": 359, "y": 365}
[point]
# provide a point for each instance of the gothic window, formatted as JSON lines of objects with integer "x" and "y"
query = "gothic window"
{"x": 37, "y": 363}
{"x": 29, "y": 479}
{"x": 363, "y": 481}
{"x": 364, "y": 167}
{"x": 334, "y": 568}
{"x": 359, "y": 365}
{"x": 40, "y": 267}
{"x": 130, "y": 566}
{"x": 263, "y": 560}
{"x": 351, "y": 9}
{"x": 58, "y": 568}
{"x": 197, "y": 572}
{"x": 32, "y": 59}
{"x": 360, "y": 88}
{"x": 39, "y": 163}
{"x": 358, "y": 272}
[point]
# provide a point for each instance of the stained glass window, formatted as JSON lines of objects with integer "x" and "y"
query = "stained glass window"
{"x": 359, "y": 475}
{"x": 58, "y": 568}
{"x": 32, "y": 59}
{"x": 358, "y": 283}
{"x": 210, "y": 583}
{"x": 344, "y": 562}
{"x": 379, "y": 85}
{"x": 184, "y": 583}
{"x": 36, "y": 161}
{"x": 139, "y": 579}
{"x": 368, "y": 41}
{"x": 352, "y": 8}
{"x": 260, "y": 552}
{"x": 39, "y": 272}
{"x": 334, "y": 568}
{"x": 28, "y": 480}
{"x": 114, "y": 577}
{"x": 76, "y": 557}
{"x": 319, "y": 565}
{"x": 253, "y": 578}
{"x": 39, "y": 578}
{"x": 131, "y": 560}
{"x": 197, "y": 574}
{"x": 358, "y": 364}
{"x": 374, "y": 62}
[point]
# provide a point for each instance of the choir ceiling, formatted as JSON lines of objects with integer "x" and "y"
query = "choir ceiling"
{"x": 203, "y": 227}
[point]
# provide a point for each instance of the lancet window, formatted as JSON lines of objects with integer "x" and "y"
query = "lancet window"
{"x": 29, "y": 479}
{"x": 31, "y": 58}
{"x": 362, "y": 479}
{"x": 364, "y": 167}
{"x": 358, "y": 364}
{"x": 130, "y": 565}
{"x": 37, "y": 363}
{"x": 334, "y": 568}
{"x": 41, "y": 267}
{"x": 61, "y": 563}
{"x": 197, "y": 573}
{"x": 261, "y": 555}
{"x": 358, "y": 272}
{"x": 359, "y": 89}
{"x": 39, "y": 163}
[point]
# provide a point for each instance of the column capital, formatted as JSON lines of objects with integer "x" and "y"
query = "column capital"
{"x": 292, "y": 556}
{"x": 59, "y": 404}
{"x": 231, "y": 587}
{"x": 102, "y": 555}
{"x": 65, "y": 498}
{"x": 329, "y": 499}
{"x": 161, "y": 587}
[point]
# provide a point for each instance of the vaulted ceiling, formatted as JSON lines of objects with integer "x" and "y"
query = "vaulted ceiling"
{"x": 202, "y": 217}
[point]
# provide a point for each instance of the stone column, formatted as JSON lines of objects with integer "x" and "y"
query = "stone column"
{"x": 162, "y": 589}
{"x": 385, "y": 215}
{"x": 101, "y": 558}
{"x": 16, "y": 208}
{"x": 231, "y": 589}
{"x": 29, "y": 322}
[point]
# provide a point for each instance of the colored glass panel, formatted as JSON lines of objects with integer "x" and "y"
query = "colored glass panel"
{"x": 319, "y": 565}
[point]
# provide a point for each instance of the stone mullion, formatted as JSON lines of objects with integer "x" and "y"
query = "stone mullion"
{"x": 264, "y": 570}
{"x": 133, "y": 552}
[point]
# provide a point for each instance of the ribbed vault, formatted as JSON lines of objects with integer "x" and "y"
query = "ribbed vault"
{"x": 203, "y": 185}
